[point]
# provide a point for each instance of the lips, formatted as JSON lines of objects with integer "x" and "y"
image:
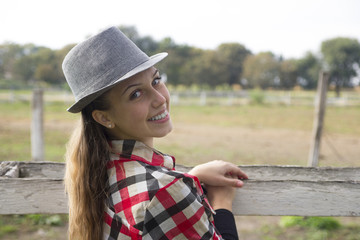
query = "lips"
{"x": 159, "y": 116}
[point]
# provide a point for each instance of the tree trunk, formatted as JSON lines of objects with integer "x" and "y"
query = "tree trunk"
{"x": 337, "y": 89}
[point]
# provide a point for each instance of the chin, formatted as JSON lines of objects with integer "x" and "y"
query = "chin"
{"x": 165, "y": 132}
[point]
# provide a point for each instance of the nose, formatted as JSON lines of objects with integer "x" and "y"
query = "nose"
{"x": 158, "y": 99}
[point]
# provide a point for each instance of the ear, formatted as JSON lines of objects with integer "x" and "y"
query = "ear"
{"x": 102, "y": 118}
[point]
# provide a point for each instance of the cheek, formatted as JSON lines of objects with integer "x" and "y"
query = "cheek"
{"x": 134, "y": 114}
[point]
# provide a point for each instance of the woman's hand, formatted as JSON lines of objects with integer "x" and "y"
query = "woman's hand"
{"x": 221, "y": 197}
{"x": 219, "y": 174}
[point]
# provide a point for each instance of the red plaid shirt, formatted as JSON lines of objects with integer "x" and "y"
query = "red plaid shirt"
{"x": 148, "y": 199}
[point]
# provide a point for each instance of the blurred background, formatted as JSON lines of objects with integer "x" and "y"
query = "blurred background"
{"x": 242, "y": 77}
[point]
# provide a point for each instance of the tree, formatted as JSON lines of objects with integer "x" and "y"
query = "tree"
{"x": 207, "y": 69}
{"x": 261, "y": 70}
{"x": 146, "y": 44}
{"x": 46, "y": 66}
{"x": 45, "y": 72}
{"x": 341, "y": 55}
{"x": 231, "y": 57}
{"x": 308, "y": 68}
{"x": 25, "y": 67}
{"x": 288, "y": 73}
{"x": 41, "y": 64}
{"x": 9, "y": 54}
{"x": 131, "y": 32}
{"x": 59, "y": 58}
{"x": 175, "y": 64}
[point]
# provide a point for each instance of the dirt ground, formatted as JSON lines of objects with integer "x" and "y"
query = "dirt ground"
{"x": 246, "y": 146}
{"x": 243, "y": 146}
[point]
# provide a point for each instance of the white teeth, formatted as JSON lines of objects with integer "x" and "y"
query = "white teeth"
{"x": 158, "y": 117}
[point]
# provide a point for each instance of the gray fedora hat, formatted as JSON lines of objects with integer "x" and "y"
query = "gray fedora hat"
{"x": 97, "y": 64}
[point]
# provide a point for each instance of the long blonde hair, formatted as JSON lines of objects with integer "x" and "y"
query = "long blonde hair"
{"x": 86, "y": 175}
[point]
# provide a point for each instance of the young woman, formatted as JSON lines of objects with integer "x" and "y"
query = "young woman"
{"x": 119, "y": 186}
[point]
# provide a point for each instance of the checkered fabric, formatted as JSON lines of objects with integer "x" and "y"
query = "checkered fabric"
{"x": 148, "y": 199}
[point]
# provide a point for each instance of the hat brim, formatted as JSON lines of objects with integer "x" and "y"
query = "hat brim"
{"x": 83, "y": 102}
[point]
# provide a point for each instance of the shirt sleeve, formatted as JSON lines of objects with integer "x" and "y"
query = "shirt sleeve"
{"x": 225, "y": 223}
{"x": 178, "y": 211}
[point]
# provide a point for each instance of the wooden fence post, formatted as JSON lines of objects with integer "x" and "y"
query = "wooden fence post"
{"x": 320, "y": 106}
{"x": 37, "y": 126}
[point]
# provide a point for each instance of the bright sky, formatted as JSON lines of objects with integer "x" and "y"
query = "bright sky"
{"x": 286, "y": 27}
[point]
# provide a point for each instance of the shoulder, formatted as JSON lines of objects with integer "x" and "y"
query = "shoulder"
{"x": 130, "y": 168}
{"x": 138, "y": 176}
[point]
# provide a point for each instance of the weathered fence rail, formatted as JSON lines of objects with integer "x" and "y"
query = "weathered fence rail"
{"x": 37, "y": 187}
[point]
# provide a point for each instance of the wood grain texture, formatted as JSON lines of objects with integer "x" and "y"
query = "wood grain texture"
{"x": 270, "y": 190}
{"x": 25, "y": 196}
{"x": 298, "y": 198}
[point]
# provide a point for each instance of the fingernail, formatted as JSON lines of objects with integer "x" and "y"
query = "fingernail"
{"x": 239, "y": 183}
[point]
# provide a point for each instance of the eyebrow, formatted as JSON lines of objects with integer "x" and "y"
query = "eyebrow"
{"x": 137, "y": 84}
{"x": 130, "y": 86}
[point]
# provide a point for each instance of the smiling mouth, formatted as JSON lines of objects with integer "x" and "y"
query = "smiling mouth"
{"x": 159, "y": 117}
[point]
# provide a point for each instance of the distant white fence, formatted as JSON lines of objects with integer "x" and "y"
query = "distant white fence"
{"x": 211, "y": 97}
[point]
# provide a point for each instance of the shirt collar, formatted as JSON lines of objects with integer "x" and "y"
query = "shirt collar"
{"x": 138, "y": 151}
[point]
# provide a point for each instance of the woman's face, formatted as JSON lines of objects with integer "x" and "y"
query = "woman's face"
{"x": 139, "y": 108}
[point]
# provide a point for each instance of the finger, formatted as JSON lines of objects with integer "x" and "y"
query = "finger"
{"x": 236, "y": 171}
{"x": 233, "y": 182}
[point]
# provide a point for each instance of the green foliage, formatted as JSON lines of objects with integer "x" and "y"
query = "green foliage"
{"x": 288, "y": 74}
{"x": 317, "y": 235}
{"x": 224, "y": 87}
{"x": 13, "y": 84}
{"x": 261, "y": 70}
{"x": 341, "y": 55}
{"x": 146, "y": 44}
{"x": 41, "y": 219}
{"x": 318, "y": 223}
{"x": 228, "y": 64}
{"x": 6, "y": 229}
{"x": 35, "y": 219}
{"x": 54, "y": 220}
{"x": 30, "y": 63}
{"x": 308, "y": 68}
{"x": 12, "y": 226}
{"x": 257, "y": 96}
{"x": 232, "y": 57}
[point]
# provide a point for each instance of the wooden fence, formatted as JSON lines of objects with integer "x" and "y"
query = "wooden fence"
{"x": 37, "y": 187}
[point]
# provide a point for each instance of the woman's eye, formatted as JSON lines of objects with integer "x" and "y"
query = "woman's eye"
{"x": 135, "y": 94}
{"x": 156, "y": 81}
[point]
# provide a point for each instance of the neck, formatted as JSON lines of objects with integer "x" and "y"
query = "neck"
{"x": 149, "y": 142}
{"x": 113, "y": 134}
